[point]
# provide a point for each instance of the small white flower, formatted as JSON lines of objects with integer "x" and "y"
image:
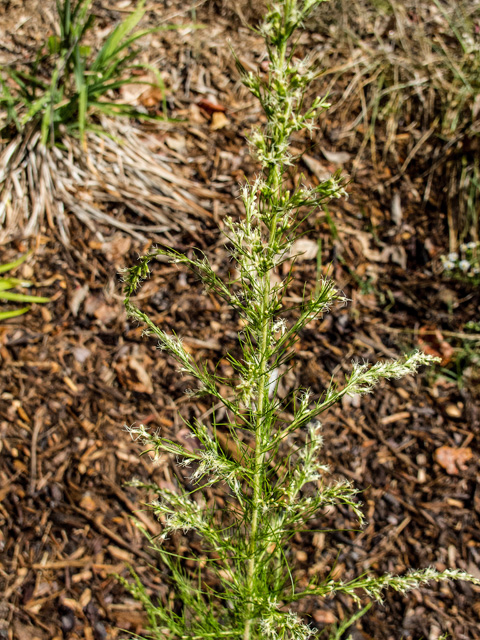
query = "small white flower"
{"x": 279, "y": 326}
{"x": 471, "y": 245}
{"x": 449, "y": 265}
{"x": 464, "y": 265}
{"x": 453, "y": 256}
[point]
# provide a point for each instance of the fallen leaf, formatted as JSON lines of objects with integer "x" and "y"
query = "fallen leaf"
{"x": 76, "y": 299}
{"x": 337, "y": 157}
{"x": 152, "y": 97}
{"x": 88, "y": 503}
{"x": 323, "y": 616}
{"x": 144, "y": 384}
{"x": 316, "y": 167}
{"x": 219, "y": 121}
{"x": 396, "y": 212}
{"x": 210, "y": 106}
{"x": 304, "y": 249}
{"x": 452, "y": 459}
{"x": 432, "y": 342}
{"x": 453, "y": 411}
{"x": 117, "y": 248}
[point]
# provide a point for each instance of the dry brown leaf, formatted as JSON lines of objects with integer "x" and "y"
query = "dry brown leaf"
{"x": 106, "y": 313}
{"x": 316, "y": 167}
{"x": 452, "y": 459}
{"x": 144, "y": 384}
{"x": 117, "y": 248}
{"x": 323, "y": 616}
{"x": 304, "y": 249}
{"x": 219, "y": 121}
{"x": 337, "y": 157}
{"x": 210, "y": 106}
{"x": 76, "y": 299}
{"x": 88, "y": 503}
{"x": 432, "y": 342}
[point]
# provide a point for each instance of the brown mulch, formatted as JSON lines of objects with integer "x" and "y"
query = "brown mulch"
{"x": 75, "y": 371}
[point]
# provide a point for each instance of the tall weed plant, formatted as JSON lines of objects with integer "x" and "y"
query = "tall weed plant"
{"x": 243, "y": 586}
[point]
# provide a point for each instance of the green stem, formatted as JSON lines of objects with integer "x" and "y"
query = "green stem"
{"x": 275, "y": 179}
{"x": 259, "y": 455}
{"x": 260, "y": 435}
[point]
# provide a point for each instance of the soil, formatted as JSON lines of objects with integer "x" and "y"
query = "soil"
{"x": 74, "y": 372}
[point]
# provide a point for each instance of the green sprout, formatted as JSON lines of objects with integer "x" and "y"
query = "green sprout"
{"x": 9, "y": 283}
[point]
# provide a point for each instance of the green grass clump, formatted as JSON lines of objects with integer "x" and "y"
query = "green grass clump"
{"x": 56, "y": 114}
{"x": 261, "y": 447}
{"x": 67, "y": 81}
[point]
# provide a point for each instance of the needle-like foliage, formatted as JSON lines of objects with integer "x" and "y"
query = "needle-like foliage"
{"x": 246, "y": 588}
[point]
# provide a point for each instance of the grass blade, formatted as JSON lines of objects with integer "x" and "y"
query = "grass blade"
{"x": 109, "y": 49}
{"x": 5, "y": 315}
{"x": 21, "y": 297}
{"x": 13, "y": 265}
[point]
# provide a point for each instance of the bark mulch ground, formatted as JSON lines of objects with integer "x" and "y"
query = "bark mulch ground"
{"x": 75, "y": 371}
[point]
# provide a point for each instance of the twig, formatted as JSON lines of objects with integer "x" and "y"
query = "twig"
{"x": 431, "y": 332}
{"x": 37, "y": 425}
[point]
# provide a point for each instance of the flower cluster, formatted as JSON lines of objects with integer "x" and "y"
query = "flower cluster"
{"x": 276, "y": 625}
{"x": 464, "y": 263}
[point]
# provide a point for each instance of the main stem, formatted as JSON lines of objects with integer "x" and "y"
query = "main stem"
{"x": 275, "y": 177}
{"x": 259, "y": 449}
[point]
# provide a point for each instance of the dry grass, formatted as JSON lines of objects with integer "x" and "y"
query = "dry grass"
{"x": 410, "y": 72}
{"x": 119, "y": 169}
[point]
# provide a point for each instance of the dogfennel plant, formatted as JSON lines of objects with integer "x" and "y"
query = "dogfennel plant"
{"x": 265, "y": 452}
